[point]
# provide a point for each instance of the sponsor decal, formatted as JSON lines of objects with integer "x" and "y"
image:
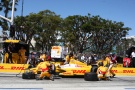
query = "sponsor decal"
{"x": 55, "y": 47}
{"x": 1, "y": 67}
{"x": 123, "y": 71}
{"x": 17, "y": 68}
{"x": 128, "y": 71}
{"x": 79, "y": 71}
{"x": 67, "y": 73}
{"x": 78, "y": 66}
{"x": 115, "y": 71}
{"x": 11, "y": 68}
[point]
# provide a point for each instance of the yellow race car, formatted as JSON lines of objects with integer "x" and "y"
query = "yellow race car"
{"x": 74, "y": 68}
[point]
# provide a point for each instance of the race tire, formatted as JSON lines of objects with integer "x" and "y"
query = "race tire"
{"x": 28, "y": 76}
{"x": 24, "y": 76}
{"x": 90, "y": 76}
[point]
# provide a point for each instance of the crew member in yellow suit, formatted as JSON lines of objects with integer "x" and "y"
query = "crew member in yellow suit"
{"x": 22, "y": 55}
{"x": 44, "y": 67}
{"x": 110, "y": 66}
{"x": 106, "y": 61}
{"x": 68, "y": 58}
{"x": 101, "y": 72}
{"x": 41, "y": 58}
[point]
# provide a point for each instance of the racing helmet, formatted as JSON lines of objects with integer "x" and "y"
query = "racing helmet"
{"x": 71, "y": 54}
{"x": 100, "y": 63}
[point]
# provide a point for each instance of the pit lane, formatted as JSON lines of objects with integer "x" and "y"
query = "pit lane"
{"x": 67, "y": 83}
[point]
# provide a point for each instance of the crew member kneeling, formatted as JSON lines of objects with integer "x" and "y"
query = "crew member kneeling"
{"x": 46, "y": 71}
{"x": 101, "y": 72}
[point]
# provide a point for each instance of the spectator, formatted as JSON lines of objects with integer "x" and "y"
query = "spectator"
{"x": 133, "y": 58}
{"x": 82, "y": 57}
{"x": 95, "y": 57}
{"x": 32, "y": 60}
{"x": 11, "y": 48}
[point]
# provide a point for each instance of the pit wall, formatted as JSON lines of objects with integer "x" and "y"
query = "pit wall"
{"x": 123, "y": 71}
{"x": 13, "y": 68}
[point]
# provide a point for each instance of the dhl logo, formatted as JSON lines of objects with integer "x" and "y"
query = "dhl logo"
{"x": 115, "y": 71}
{"x": 17, "y": 68}
{"x": 55, "y": 47}
{"x": 128, "y": 71}
{"x": 124, "y": 71}
{"x": 79, "y": 71}
{"x": 1, "y": 67}
{"x": 12, "y": 68}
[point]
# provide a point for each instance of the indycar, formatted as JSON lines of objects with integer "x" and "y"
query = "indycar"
{"x": 74, "y": 68}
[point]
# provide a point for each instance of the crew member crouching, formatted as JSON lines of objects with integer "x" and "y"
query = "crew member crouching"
{"x": 47, "y": 71}
{"x": 101, "y": 72}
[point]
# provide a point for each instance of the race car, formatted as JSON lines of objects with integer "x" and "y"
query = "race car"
{"x": 74, "y": 68}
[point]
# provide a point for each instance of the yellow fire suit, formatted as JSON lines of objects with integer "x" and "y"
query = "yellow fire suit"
{"x": 44, "y": 67}
{"x": 68, "y": 58}
{"x": 22, "y": 55}
{"x": 101, "y": 72}
{"x": 111, "y": 64}
{"x": 44, "y": 57}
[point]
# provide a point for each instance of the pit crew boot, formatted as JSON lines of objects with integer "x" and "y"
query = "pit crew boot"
{"x": 109, "y": 78}
{"x": 52, "y": 77}
{"x": 113, "y": 75}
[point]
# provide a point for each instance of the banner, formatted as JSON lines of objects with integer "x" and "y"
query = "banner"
{"x": 13, "y": 68}
{"x": 124, "y": 71}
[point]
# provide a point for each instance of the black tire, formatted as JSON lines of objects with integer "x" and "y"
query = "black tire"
{"x": 28, "y": 76}
{"x": 90, "y": 76}
{"x": 24, "y": 76}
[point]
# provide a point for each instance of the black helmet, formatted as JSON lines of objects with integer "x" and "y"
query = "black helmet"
{"x": 70, "y": 54}
{"x": 100, "y": 63}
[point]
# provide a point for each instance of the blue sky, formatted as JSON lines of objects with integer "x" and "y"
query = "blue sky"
{"x": 115, "y": 10}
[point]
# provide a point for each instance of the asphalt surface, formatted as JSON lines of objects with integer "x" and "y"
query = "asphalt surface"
{"x": 13, "y": 82}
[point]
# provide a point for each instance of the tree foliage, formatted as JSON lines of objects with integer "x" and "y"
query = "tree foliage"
{"x": 94, "y": 33}
{"x": 79, "y": 33}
